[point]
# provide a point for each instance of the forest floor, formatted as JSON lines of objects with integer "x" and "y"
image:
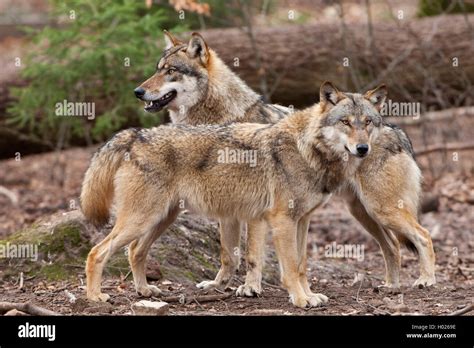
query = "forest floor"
{"x": 43, "y": 184}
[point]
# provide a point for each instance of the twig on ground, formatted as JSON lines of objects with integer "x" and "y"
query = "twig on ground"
{"x": 201, "y": 299}
{"x": 21, "y": 281}
{"x": 375, "y": 308}
{"x": 360, "y": 287}
{"x": 462, "y": 311}
{"x": 200, "y": 306}
{"x": 272, "y": 285}
{"x": 12, "y": 196}
{"x": 226, "y": 306}
{"x": 127, "y": 275}
{"x": 27, "y": 308}
{"x": 61, "y": 288}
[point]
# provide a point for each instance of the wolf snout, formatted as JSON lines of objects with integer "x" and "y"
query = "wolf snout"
{"x": 362, "y": 149}
{"x": 139, "y": 92}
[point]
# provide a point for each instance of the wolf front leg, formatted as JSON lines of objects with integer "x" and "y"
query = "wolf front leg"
{"x": 285, "y": 232}
{"x": 230, "y": 254}
{"x": 257, "y": 230}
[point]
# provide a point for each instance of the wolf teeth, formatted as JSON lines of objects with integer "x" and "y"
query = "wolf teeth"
{"x": 155, "y": 102}
{"x": 167, "y": 95}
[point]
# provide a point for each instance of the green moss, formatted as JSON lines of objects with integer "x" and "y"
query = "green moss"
{"x": 60, "y": 248}
{"x": 190, "y": 275}
{"x": 54, "y": 271}
{"x": 118, "y": 264}
{"x": 65, "y": 239}
{"x": 26, "y": 235}
{"x": 62, "y": 252}
{"x": 203, "y": 261}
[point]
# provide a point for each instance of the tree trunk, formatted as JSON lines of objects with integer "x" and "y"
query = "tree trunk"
{"x": 414, "y": 58}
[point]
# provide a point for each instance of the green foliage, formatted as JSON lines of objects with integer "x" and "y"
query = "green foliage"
{"x": 437, "y": 7}
{"x": 84, "y": 56}
{"x": 84, "y": 59}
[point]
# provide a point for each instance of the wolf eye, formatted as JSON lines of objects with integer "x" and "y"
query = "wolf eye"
{"x": 345, "y": 122}
{"x": 368, "y": 121}
{"x": 170, "y": 71}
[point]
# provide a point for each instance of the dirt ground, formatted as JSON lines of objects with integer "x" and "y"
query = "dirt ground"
{"x": 43, "y": 184}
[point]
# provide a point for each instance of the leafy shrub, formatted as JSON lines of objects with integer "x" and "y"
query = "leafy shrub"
{"x": 98, "y": 51}
{"x": 436, "y": 7}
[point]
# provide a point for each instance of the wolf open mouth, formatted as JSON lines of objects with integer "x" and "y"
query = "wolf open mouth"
{"x": 158, "y": 104}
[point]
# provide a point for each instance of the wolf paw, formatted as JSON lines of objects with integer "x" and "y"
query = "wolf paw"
{"x": 424, "y": 281}
{"x": 317, "y": 299}
{"x": 390, "y": 288}
{"x": 209, "y": 285}
{"x": 100, "y": 297}
{"x": 149, "y": 291}
{"x": 248, "y": 290}
{"x": 308, "y": 301}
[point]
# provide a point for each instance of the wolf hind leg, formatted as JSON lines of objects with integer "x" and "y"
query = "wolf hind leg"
{"x": 405, "y": 224}
{"x": 230, "y": 254}
{"x": 127, "y": 228}
{"x": 388, "y": 243}
{"x": 421, "y": 239}
{"x": 138, "y": 252}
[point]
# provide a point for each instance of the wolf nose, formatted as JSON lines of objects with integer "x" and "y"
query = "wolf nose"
{"x": 139, "y": 92}
{"x": 362, "y": 149}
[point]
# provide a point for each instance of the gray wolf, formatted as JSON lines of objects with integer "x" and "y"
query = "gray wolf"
{"x": 383, "y": 195}
{"x": 301, "y": 160}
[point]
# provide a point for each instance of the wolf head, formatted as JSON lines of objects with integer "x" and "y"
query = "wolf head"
{"x": 181, "y": 76}
{"x": 351, "y": 121}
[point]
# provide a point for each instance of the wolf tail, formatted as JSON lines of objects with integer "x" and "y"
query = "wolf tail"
{"x": 98, "y": 186}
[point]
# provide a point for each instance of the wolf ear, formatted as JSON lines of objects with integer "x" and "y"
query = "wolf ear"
{"x": 328, "y": 94}
{"x": 377, "y": 96}
{"x": 197, "y": 48}
{"x": 170, "y": 40}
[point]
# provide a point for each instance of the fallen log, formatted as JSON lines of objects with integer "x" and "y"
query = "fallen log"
{"x": 295, "y": 59}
